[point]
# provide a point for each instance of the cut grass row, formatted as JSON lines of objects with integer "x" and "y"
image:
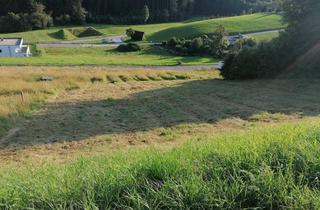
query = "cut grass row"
{"x": 164, "y": 31}
{"x": 267, "y": 168}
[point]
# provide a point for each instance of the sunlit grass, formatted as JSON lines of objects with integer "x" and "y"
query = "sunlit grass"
{"x": 269, "y": 168}
{"x": 165, "y": 31}
{"x": 107, "y": 56}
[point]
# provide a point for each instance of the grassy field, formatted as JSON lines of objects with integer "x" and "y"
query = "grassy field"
{"x": 243, "y": 24}
{"x": 164, "y": 31}
{"x": 267, "y": 168}
{"x": 106, "y": 138}
{"x": 140, "y": 108}
{"x": 106, "y": 56}
{"x": 266, "y": 37}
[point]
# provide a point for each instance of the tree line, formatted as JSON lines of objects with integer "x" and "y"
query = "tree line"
{"x": 17, "y": 15}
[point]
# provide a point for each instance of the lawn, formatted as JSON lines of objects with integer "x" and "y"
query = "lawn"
{"x": 266, "y": 37}
{"x": 164, "y": 31}
{"x": 243, "y": 24}
{"x": 96, "y": 137}
{"x": 107, "y": 56}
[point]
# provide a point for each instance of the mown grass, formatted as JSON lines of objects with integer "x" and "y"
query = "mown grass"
{"x": 164, "y": 31}
{"x": 106, "y": 56}
{"x": 21, "y": 91}
{"x": 266, "y": 37}
{"x": 243, "y": 24}
{"x": 267, "y": 168}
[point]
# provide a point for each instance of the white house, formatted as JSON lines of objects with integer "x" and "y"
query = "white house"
{"x": 13, "y": 47}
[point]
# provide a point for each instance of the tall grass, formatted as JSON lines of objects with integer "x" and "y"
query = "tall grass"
{"x": 274, "y": 168}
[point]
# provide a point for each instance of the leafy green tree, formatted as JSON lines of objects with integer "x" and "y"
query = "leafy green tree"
{"x": 145, "y": 13}
{"x": 296, "y": 10}
{"x": 220, "y": 41}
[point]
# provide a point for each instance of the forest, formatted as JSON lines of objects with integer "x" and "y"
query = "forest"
{"x": 16, "y": 15}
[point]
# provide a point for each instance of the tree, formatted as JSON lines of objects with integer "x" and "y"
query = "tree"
{"x": 220, "y": 40}
{"x": 145, "y": 13}
{"x": 38, "y": 18}
{"x": 296, "y": 10}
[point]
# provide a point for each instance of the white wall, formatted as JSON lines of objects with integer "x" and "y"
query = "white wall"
{"x": 11, "y": 51}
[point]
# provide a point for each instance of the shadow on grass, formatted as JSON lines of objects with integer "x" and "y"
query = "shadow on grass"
{"x": 202, "y": 101}
{"x": 164, "y": 55}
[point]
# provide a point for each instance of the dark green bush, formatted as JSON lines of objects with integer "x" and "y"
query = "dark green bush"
{"x": 90, "y": 31}
{"x": 251, "y": 63}
{"x": 173, "y": 42}
{"x": 36, "y": 50}
{"x": 130, "y": 47}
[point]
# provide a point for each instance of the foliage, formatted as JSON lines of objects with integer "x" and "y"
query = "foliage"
{"x": 63, "y": 34}
{"x": 296, "y": 10}
{"x": 36, "y": 18}
{"x": 90, "y": 31}
{"x": 244, "y": 42}
{"x": 36, "y": 50}
{"x": 130, "y": 32}
{"x": 215, "y": 46}
{"x": 130, "y": 47}
{"x": 63, "y": 12}
{"x": 269, "y": 59}
{"x": 145, "y": 13}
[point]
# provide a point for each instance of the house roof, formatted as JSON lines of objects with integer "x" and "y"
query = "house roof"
{"x": 10, "y": 41}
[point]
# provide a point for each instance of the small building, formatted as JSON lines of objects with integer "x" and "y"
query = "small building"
{"x": 13, "y": 47}
{"x": 138, "y": 35}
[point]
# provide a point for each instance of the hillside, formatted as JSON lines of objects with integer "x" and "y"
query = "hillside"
{"x": 156, "y": 32}
{"x": 245, "y": 23}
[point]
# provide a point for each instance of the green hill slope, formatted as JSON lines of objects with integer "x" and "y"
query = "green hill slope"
{"x": 163, "y": 31}
{"x": 245, "y": 23}
{"x": 275, "y": 168}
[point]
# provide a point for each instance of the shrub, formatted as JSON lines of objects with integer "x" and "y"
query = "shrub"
{"x": 196, "y": 45}
{"x": 251, "y": 63}
{"x": 130, "y": 47}
{"x": 36, "y": 50}
{"x": 130, "y": 32}
{"x": 90, "y": 31}
{"x": 63, "y": 34}
{"x": 244, "y": 43}
{"x": 173, "y": 42}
